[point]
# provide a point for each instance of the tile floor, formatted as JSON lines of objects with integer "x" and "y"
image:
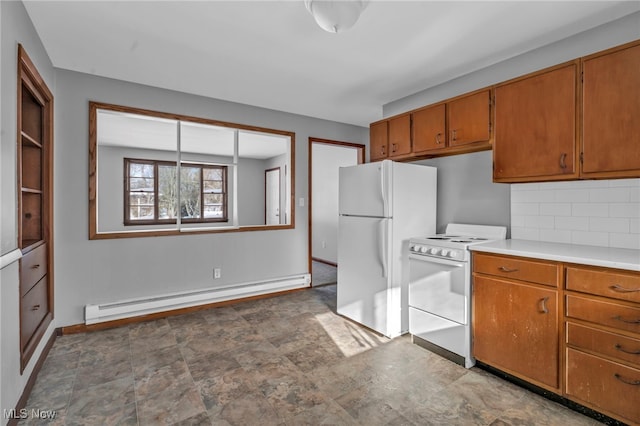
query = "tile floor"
{"x": 287, "y": 360}
{"x": 322, "y": 274}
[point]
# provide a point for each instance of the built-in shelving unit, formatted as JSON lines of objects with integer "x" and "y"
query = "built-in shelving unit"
{"x": 35, "y": 207}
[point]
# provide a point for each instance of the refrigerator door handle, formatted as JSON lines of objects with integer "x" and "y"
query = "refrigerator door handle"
{"x": 383, "y": 190}
{"x": 382, "y": 244}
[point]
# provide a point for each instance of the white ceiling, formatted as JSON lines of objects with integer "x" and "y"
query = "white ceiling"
{"x": 272, "y": 54}
{"x": 118, "y": 129}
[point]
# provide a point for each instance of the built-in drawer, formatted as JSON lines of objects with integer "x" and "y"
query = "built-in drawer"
{"x": 539, "y": 272}
{"x": 602, "y": 342}
{"x": 603, "y": 384}
{"x": 618, "y": 284}
{"x": 33, "y": 266}
{"x": 34, "y": 307}
{"x": 604, "y": 313}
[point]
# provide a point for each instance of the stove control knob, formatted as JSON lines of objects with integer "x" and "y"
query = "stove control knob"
{"x": 454, "y": 254}
{"x": 423, "y": 249}
{"x": 444, "y": 253}
{"x": 434, "y": 250}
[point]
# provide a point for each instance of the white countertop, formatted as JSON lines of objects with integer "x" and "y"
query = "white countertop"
{"x": 608, "y": 257}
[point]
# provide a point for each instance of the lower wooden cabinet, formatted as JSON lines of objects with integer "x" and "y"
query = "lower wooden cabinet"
{"x": 516, "y": 329}
{"x": 602, "y": 358}
{"x": 577, "y": 335}
{"x": 605, "y": 385}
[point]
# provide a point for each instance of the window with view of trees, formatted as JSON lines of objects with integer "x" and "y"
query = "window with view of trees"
{"x": 152, "y": 196}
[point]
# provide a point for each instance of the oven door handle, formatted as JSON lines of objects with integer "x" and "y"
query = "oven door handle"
{"x": 382, "y": 245}
{"x": 438, "y": 260}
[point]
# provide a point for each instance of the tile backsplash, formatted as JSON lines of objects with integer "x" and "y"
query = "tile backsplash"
{"x": 593, "y": 212}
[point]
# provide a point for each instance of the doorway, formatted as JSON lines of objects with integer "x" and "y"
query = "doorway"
{"x": 272, "y": 196}
{"x": 325, "y": 159}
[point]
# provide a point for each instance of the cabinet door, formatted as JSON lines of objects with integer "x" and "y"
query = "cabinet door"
{"x": 469, "y": 119}
{"x": 378, "y": 138}
{"x": 428, "y": 130}
{"x": 611, "y": 108}
{"x": 515, "y": 328}
{"x": 535, "y": 127}
{"x": 400, "y": 135}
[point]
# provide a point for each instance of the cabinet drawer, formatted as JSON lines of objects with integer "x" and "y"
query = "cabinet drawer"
{"x": 618, "y": 285}
{"x": 33, "y": 266}
{"x": 34, "y": 307}
{"x": 604, "y": 384}
{"x": 602, "y": 342}
{"x": 604, "y": 313}
{"x": 519, "y": 269}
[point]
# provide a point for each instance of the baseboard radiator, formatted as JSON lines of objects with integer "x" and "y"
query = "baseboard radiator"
{"x": 136, "y": 307}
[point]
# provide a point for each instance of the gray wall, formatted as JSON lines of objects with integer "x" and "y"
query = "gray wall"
{"x": 465, "y": 190}
{"x": 15, "y": 27}
{"x": 107, "y": 270}
{"x": 466, "y": 193}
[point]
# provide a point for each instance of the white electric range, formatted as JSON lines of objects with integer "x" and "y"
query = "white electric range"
{"x": 440, "y": 288}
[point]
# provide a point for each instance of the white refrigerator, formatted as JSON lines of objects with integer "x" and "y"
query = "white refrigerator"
{"x": 381, "y": 205}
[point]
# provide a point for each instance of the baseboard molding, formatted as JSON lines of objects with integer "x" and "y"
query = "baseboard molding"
{"x": 26, "y": 392}
{"x": 83, "y": 328}
{"x": 326, "y": 262}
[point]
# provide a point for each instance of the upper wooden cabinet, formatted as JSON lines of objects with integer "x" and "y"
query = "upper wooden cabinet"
{"x": 469, "y": 119}
{"x": 576, "y": 120}
{"x": 611, "y": 113}
{"x": 429, "y": 132}
{"x": 390, "y": 138}
{"x": 461, "y": 124}
{"x": 399, "y": 136}
{"x": 441, "y": 128}
{"x": 535, "y": 126}
{"x": 378, "y": 140}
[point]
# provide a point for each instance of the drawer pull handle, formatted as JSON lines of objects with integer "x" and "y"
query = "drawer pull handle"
{"x": 505, "y": 269}
{"x": 543, "y": 305}
{"x": 621, "y": 349}
{"x": 633, "y": 321}
{"x": 620, "y": 289}
{"x": 627, "y": 381}
{"x": 35, "y": 307}
{"x": 36, "y": 266}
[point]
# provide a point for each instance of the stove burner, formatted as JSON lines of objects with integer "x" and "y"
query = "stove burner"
{"x": 461, "y": 241}
{"x": 477, "y": 238}
{"x": 438, "y": 238}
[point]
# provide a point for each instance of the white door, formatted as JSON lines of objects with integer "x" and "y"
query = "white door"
{"x": 364, "y": 189}
{"x": 272, "y": 196}
{"x": 363, "y": 292}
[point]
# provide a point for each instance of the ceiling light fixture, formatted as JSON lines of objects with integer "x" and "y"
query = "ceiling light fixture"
{"x": 336, "y": 16}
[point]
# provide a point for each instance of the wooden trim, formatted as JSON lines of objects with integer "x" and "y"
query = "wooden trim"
{"x": 313, "y": 140}
{"x": 127, "y": 221}
{"x": 93, "y": 149}
{"x": 26, "y": 392}
{"x": 83, "y": 328}
{"x": 182, "y": 117}
{"x": 326, "y": 262}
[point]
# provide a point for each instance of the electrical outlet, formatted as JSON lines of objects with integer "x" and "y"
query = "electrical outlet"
{"x": 217, "y": 273}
